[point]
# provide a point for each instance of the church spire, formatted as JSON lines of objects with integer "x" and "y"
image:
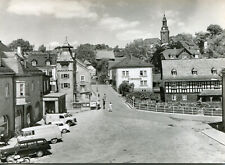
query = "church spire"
{"x": 164, "y": 31}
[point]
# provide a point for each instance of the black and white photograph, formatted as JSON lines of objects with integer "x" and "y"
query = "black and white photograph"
{"x": 112, "y": 81}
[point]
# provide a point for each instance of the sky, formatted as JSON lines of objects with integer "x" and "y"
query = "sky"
{"x": 113, "y": 22}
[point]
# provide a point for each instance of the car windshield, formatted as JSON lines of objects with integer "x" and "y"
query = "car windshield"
{"x": 68, "y": 115}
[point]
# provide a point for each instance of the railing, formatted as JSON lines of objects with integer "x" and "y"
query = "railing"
{"x": 179, "y": 109}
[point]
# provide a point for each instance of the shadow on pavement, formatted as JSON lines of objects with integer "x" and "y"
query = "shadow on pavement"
{"x": 218, "y": 126}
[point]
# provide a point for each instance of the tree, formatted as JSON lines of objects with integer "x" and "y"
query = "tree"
{"x": 125, "y": 88}
{"x": 86, "y": 52}
{"x": 214, "y": 29}
{"x": 157, "y": 58}
{"x": 200, "y": 38}
{"x": 102, "y": 70}
{"x": 25, "y": 45}
{"x": 42, "y": 48}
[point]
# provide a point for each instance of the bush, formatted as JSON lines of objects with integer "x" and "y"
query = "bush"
{"x": 139, "y": 95}
{"x": 125, "y": 88}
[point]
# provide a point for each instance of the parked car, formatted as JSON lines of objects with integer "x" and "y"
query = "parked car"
{"x": 37, "y": 147}
{"x": 62, "y": 126}
{"x": 64, "y": 117}
{"x": 51, "y": 133}
{"x": 93, "y": 105}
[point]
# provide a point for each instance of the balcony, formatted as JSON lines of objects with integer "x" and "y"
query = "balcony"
{"x": 22, "y": 100}
{"x": 83, "y": 83}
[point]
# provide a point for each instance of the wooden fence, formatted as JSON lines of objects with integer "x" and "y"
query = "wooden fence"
{"x": 169, "y": 108}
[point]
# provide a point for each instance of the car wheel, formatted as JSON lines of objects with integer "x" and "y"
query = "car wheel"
{"x": 40, "y": 153}
{"x": 53, "y": 141}
{"x": 69, "y": 123}
{"x": 64, "y": 131}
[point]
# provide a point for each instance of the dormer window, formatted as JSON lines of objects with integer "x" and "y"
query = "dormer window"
{"x": 213, "y": 71}
{"x": 174, "y": 72}
{"x": 194, "y": 71}
{"x": 47, "y": 63}
{"x": 34, "y": 63}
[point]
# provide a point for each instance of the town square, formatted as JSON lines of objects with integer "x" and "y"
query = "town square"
{"x": 112, "y": 81}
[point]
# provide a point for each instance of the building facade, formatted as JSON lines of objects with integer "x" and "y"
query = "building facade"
{"x": 132, "y": 70}
{"x": 7, "y": 100}
{"x": 30, "y": 85}
{"x": 192, "y": 79}
{"x": 73, "y": 78}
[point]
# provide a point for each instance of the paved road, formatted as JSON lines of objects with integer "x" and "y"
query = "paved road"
{"x": 126, "y": 135}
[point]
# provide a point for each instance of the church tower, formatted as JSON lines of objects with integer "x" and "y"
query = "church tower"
{"x": 164, "y": 31}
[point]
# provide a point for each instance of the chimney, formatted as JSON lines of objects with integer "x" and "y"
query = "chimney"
{"x": 19, "y": 51}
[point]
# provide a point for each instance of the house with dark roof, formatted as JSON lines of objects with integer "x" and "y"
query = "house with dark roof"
{"x": 46, "y": 62}
{"x": 192, "y": 79}
{"x": 176, "y": 54}
{"x": 132, "y": 70}
{"x": 29, "y": 84}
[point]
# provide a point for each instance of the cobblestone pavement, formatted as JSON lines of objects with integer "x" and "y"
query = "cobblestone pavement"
{"x": 126, "y": 135}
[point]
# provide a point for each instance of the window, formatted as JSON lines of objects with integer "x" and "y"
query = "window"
{"x": 7, "y": 90}
{"x": 47, "y": 63}
{"x": 34, "y": 63}
{"x": 23, "y": 145}
{"x": 143, "y": 73}
{"x": 194, "y": 71}
{"x": 82, "y": 78}
{"x": 213, "y": 71}
{"x": 184, "y": 97}
{"x": 216, "y": 85}
{"x": 125, "y": 73}
{"x": 22, "y": 89}
{"x": 65, "y": 76}
{"x": 65, "y": 85}
{"x": 28, "y": 133}
{"x": 174, "y": 72}
{"x": 143, "y": 83}
{"x": 174, "y": 97}
{"x": 32, "y": 86}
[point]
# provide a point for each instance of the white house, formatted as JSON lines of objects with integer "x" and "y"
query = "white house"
{"x": 132, "y": 70}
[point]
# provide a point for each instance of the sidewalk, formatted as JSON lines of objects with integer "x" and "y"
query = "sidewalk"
{"x": 215, "y": 135}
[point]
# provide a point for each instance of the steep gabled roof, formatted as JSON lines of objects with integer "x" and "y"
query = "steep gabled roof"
{"x": 131, "y": 62}
{"x": 19, "y": 65}
{"x": 41, "y": 58}
{"x": 168, "y": 53}
{"x": 184, "y": 69}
